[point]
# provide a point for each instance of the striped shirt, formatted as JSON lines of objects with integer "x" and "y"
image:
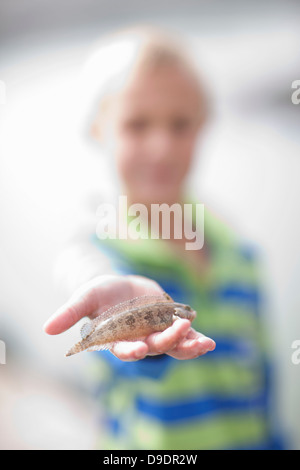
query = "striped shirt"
{"x": 217, "y": 401}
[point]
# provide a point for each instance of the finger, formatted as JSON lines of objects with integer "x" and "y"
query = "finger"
{"x": 190, "y": 348}
{"x": 130, "y": 350}
{"x": 66, "y": 316}
{"x": 162, "y": 342}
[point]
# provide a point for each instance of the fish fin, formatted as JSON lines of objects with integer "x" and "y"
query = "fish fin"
{"x": 78, "y": 347}
{"x": 109, "y": 346}
{"x": 86, "y": 329}
{"x": 168, "y": 297}
{"x": 136, "y": 302}
{"x": 100, "y": 347}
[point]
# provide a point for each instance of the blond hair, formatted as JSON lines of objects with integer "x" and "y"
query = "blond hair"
{"x": 119, "y": 56}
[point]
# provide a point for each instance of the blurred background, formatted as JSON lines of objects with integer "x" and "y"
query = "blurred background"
{"x": 248, "y": 171}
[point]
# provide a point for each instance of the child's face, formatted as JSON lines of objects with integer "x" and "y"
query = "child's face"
{"x": 155, "y": 122}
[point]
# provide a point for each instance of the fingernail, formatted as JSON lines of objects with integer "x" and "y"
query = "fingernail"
{"x": 212, "y": 344}
{"x": 203, "y": 339}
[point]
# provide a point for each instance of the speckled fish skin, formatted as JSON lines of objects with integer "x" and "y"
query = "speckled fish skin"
{"x": 132, "y": 320}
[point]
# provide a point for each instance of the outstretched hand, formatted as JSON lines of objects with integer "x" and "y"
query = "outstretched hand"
{"x": 180, "y": 340}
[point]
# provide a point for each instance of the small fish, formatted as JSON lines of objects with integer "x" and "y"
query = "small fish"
{"x": 131, "y": 320}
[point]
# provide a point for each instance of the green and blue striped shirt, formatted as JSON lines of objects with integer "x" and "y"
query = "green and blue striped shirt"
{"x": 217, "y": 401}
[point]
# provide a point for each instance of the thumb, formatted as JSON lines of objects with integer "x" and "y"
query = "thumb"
{"x": 68, "y": 314}
{"x": 84, "y": 302}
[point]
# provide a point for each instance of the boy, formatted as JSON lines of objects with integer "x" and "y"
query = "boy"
{"x": 171, "y": 390}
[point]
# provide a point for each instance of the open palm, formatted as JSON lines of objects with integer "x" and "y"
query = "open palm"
{"x": 180, "y": 340}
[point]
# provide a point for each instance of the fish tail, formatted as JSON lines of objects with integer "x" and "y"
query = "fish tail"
{"x": 86, "y": 346}
{"x": 78, "y": 347}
